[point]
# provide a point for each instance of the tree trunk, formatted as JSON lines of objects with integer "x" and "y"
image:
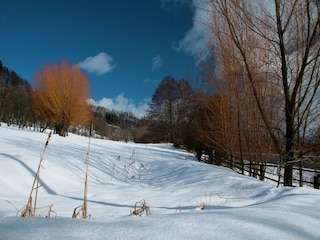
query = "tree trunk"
{"x": 218, "y": 157}
{"x": 289, "y": 154}
{"x": 262, "y": 170}
{"x": 288, "y": 174}
{"x": 61, "y": 129}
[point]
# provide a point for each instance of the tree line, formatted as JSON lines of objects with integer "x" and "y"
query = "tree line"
{"x": 15, "y": 98}
{"x": 59, "y": 100}
{"x": 260, "y": 97}
{"x": 267, "y": 77}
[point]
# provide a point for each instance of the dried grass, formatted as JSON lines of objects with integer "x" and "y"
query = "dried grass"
{"x": 139, "y": 208}
{"x": 83, "y": 208}
{"x": 30, "y": 209}
{"x": 130, "y": 170}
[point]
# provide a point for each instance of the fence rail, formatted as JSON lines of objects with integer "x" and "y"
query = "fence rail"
{"x": 306, "y": 175}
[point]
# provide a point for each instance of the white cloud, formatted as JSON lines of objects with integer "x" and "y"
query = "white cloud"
{"x": 121, "y": 103}
{"x": 157, "y": 62}
{"x": 100, "y": 64}
{"x": 196, "y": 40}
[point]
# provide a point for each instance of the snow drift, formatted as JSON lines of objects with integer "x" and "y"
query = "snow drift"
{"x": 170, "y": 181}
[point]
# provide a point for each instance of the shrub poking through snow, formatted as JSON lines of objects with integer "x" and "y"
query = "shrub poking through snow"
{"x": 202, "y": 206}
{"x": 30, "y": 209}
{"x": 178, "y": 209}
{"x": 115, "y": 168}
{"x": 207, "y": 201}
{"x": 80, "y": 211}
{"x": 47, "y": 210}
{"x": 130, "y": 170}
{"x": 139, "y": 208}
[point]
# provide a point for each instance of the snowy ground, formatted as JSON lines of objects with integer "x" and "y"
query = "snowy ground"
{"x": 170, "y": 181}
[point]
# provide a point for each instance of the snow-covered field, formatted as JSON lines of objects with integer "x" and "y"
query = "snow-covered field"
{"x": 170, "y": 181}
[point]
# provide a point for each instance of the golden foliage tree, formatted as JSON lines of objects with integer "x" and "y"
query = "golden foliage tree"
{"x": 59, "y": 96}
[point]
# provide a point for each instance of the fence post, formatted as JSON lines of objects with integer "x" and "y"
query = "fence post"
{"x": 316, "y": 183}
{"x": 262, "y": 171}
{"x": 300, "y": 173}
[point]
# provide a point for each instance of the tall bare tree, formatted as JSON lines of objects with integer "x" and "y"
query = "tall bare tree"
{"x": 277, "y": 45}
{"x": 169, "y": 109}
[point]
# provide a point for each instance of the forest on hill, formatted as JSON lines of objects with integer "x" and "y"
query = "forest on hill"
{"x": 16, "y": 107}
{"x": 166, "y": 121}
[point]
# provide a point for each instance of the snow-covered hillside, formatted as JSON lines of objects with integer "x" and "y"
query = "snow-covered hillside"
{"x": 170, "y": 181}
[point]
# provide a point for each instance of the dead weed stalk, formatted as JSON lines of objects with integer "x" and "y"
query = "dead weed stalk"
{"x": 139, "y": 208}
{"x": 30, "y": 209}
{"x": 126, "y": 169}
{"x": 83, "y": 208}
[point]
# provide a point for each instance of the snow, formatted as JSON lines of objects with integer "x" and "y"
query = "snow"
{"x": 170, "y": 181}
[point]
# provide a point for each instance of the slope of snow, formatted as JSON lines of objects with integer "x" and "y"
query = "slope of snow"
{"x": 170, "y": 181}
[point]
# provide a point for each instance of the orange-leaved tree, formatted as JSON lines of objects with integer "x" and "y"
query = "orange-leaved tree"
{"x": 60, "y": 96}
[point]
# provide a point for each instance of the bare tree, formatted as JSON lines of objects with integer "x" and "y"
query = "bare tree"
{"x": 169, "y": 109}
{"x": 277, "y": 45}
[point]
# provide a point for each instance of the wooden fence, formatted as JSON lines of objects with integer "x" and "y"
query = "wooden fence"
{"x": 308, "y": 175}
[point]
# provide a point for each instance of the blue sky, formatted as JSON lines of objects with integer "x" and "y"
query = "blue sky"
{"x": 126, "y": 47}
